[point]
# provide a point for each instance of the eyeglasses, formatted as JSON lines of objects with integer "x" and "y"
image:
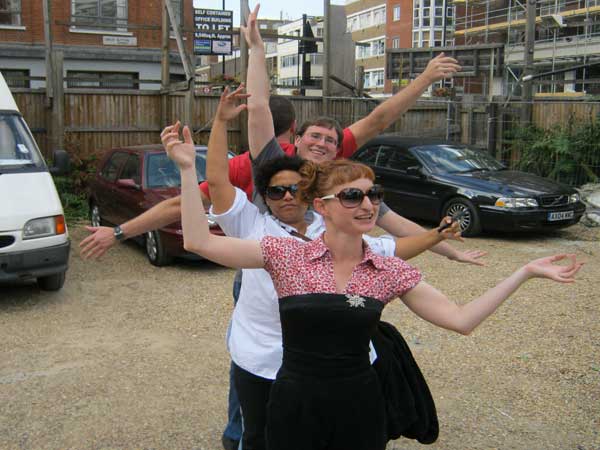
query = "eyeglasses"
{"x": 353, "y": 197}
{"x": 318, "y": 136}
{"x": 278, "y": 192}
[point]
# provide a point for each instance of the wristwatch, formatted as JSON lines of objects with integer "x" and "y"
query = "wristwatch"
{"x": 119, "y": 235}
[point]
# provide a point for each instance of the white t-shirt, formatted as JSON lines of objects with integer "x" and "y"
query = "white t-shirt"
{"x": 255, "y": 336}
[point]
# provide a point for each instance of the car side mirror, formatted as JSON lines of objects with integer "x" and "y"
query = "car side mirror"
{"x": 127, "y": 183}
{"x": 414, "y": 171}
{"x": 62, "y": 163}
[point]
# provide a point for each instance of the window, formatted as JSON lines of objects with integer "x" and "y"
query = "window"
{"x": 378, "y": 47}
{"x": 397, "y": 12}
{"x": 396, "y": 43}
{"x": 365, "y": 20}
{"x": 131, "y": 171}
{"x": 106, "y": 13}
{"x": 316, "y": 58}
{"x": 396, "y": 158}
{"x": 105, "y": 80}
{"x": 15, "y": 78}
{"x": 374, "y": 79}
{"x": 368, "y": 156}
{"x": 10, "y": 12}
{"x": 379, "y": 16}
{"x": 289, "y": 61}
{"x": 289, "y": 81}
{"x": 111, "y": 168}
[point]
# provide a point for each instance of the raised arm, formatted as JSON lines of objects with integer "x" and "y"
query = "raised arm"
{"x": 197, "y": 238}
{"x": 390, "y": 110}
{"x": 410, "y": 246}
{"x": 222, "y": 192}
{"x": 433, "y": 306}
{"x": 399, "y": 226}
{"x": 260, "y": 120}
{"x": 102, "y": 239}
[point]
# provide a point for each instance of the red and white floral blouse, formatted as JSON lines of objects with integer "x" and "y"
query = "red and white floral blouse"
{"x": 307, "y": 267}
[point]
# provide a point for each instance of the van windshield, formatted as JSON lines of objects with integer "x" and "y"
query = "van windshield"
{"x": 18, "y": 150}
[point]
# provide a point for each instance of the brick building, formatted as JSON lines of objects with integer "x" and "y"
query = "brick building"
{"x": 106, "y": 43}
{"x": 378, "y": 25}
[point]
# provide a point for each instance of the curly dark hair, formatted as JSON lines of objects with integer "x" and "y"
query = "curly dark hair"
{"x": 269, "y": 169}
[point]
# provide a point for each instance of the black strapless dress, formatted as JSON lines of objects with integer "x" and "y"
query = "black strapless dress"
{"x": 327, "y": 395}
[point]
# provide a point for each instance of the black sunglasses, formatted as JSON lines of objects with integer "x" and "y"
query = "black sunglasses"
{"x": 278, "y": 192}
{"x": 353, "y": 197}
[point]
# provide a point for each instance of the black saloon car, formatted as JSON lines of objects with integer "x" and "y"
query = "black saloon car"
{"x": 431, "y": 179}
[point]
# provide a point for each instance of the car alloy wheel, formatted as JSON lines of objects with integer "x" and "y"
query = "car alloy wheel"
{"x": 95, "y": 218}
{"x": 155, "y": 250}
{"x": 469, "y": 223}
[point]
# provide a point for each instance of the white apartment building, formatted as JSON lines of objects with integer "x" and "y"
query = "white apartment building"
{"x": 289, "y": 63}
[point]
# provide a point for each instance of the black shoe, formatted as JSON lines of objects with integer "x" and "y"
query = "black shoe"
{"x": 229, "y": 444}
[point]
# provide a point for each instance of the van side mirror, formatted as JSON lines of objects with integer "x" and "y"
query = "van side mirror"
{"x": 62, "y": 163}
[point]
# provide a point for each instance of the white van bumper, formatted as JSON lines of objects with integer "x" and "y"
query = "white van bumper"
{"x": 35, "y": 263}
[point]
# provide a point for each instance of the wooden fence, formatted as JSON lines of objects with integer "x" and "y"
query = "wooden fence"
{"x": 96, "y": 120}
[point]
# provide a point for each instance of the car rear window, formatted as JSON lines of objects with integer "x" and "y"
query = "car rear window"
{"x": 161, "y": 172}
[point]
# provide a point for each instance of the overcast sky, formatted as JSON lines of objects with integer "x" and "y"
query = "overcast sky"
{"x": 271, "y": 9}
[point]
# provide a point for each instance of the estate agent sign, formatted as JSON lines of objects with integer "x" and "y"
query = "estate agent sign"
{"x": 208, "y": 37}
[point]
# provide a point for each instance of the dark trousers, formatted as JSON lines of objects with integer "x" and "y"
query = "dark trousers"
{"x": 233, "y": 430}
{"x": 253, "y": 393}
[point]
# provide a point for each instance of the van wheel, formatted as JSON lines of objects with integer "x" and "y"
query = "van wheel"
{"x": 470, "y": 224}
{"x": 52, "y": 282}
{"x": 95, "y": 218}
{"x": 155, "y": 250}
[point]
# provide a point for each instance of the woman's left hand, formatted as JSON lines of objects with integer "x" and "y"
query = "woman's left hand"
{"x": 547, "y": 268}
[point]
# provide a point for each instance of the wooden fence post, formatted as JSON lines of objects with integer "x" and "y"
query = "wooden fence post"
{"x": 57, "y": 120}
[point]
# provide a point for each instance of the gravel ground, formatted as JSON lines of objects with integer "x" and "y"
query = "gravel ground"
{"x": 132, "y": 356}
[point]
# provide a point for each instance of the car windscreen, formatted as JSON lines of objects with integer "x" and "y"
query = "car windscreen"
{"x": 161, "y": 172}
{"x": 456, "y": 159}
{"x": 18, "y": 150}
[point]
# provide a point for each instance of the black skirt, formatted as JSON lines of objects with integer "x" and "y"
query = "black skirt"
{"x": 410, "y": 409}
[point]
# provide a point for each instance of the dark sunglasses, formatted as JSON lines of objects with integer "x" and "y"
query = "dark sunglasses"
{"x": 353, "y": 197}
{"x": 278, "y": 192}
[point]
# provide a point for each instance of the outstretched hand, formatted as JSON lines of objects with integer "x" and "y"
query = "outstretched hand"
{"x": 183, "y": 153}
{"x": 547, "y": 268}
{"x": 98, "y": 242}
{"x": 441, "y": 67}
{"x": 250, "y": 31}
{"x": 229, "y": 107}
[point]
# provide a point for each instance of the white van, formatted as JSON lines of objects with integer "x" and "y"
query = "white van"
{"x": 34, "y": 241}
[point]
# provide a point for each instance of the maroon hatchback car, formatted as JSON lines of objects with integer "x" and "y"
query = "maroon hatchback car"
{"x": 132, "y": 180}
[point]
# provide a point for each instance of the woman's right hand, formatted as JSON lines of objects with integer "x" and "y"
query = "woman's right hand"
{"x": 183, "y": 153}
{"x": 453, "y": 229}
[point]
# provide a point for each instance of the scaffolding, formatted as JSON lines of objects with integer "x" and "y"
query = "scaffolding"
{"x": 567, "y": 33}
